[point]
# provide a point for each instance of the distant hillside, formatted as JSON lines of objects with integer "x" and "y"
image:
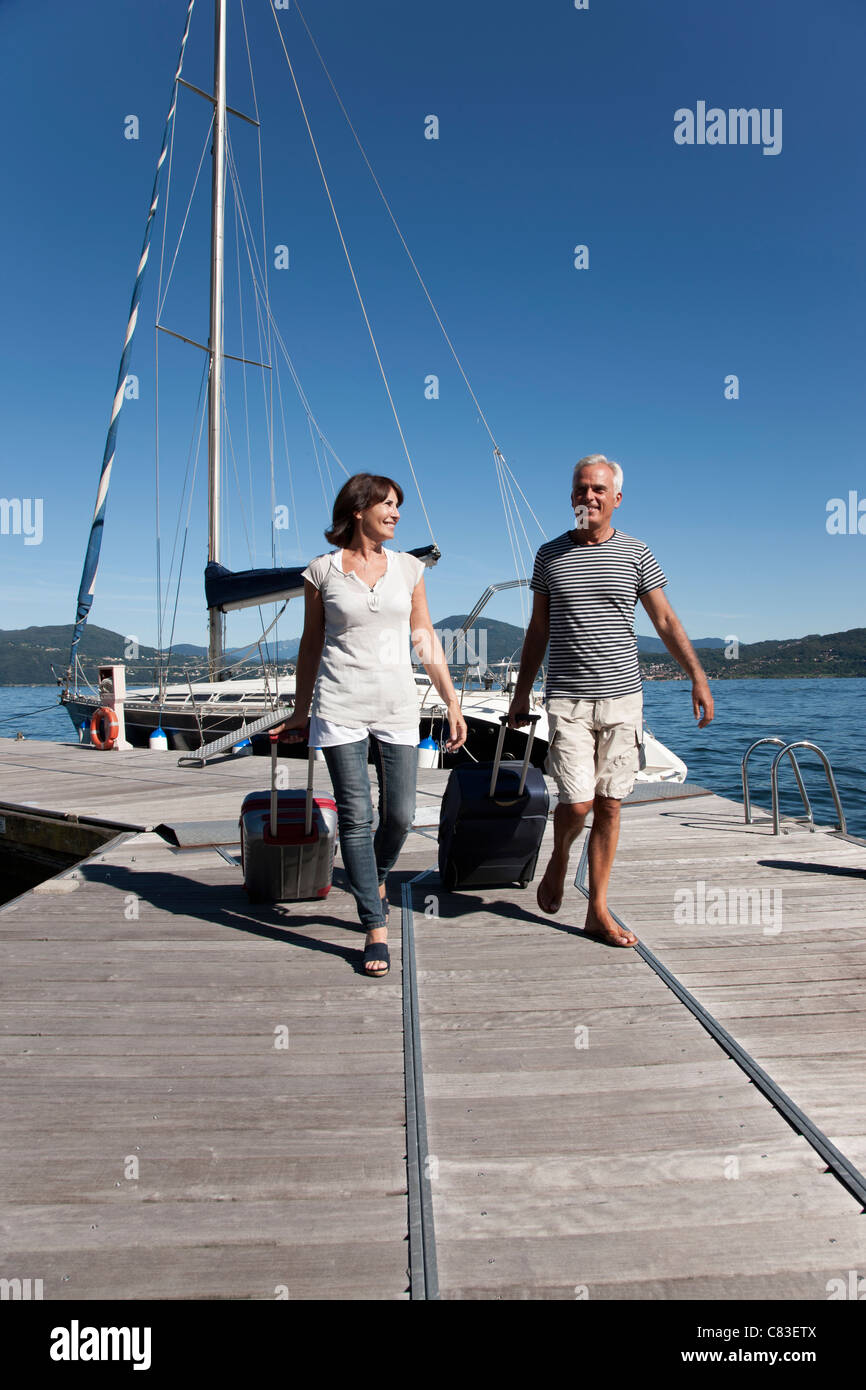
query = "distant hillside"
{"x": 655, "y": 644}
{"x": 283, "y": 651}
{"x": 497, "y": 641}
{"x": 504, "y": 639}
{"x": 833, "y": 654}
{"x": 28, "y": 654}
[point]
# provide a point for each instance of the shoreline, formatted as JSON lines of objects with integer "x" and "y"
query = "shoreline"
{"x": 656, "y": 680}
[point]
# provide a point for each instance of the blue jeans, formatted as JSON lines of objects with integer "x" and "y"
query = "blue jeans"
{"x": 369, "y": 858}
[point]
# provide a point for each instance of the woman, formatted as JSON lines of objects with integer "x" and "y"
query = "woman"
{"x": 362, "y": 603}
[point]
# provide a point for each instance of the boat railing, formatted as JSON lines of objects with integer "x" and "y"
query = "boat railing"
{"x": 195, "y": 711}
{"x": 480, "y": 605}
{"x": 786, "y": 750}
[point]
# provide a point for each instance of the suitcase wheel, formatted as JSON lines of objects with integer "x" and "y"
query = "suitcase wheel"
{"x": 528, "y": 872}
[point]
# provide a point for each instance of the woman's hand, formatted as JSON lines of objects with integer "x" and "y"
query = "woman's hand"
{"x": 457, "y": 725}
{"x": 296, "y": 729}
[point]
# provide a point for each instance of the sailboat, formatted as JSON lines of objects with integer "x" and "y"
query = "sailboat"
{"x": 225, "y": 708}
{"x": 222, "y": 714}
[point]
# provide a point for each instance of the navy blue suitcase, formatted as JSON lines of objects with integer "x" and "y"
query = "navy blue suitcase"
{"x": 492, "y": 821}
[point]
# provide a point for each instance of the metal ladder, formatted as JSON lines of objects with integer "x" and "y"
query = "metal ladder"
{"x": 787, "y": 750}
{"x": 201, "y": 756}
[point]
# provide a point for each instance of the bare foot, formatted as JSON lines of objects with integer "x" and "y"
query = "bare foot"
{"x": 548, "y": 895}
{"x": 602, "y": 926}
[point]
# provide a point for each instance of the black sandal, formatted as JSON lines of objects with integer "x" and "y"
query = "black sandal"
{"x": 376, "y": 951}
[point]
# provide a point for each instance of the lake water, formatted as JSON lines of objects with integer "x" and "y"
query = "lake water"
{"x": 829, "y": 712}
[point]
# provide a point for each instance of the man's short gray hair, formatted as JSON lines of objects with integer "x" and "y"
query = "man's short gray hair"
{"x": 592, "y": 459}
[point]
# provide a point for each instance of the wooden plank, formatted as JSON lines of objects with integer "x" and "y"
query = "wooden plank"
{"x": 266, "y": 1270}
{"x": 154, "y": 1038}
{"x": 608, "y": 1165}
{"x": 832, "y": 1244}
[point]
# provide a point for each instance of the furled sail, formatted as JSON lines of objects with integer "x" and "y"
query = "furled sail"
{"x": 94, "y": 544}
{"x": 228, "y": 590}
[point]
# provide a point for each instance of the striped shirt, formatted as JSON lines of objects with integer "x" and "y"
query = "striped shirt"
{"x": 593, "y": 590}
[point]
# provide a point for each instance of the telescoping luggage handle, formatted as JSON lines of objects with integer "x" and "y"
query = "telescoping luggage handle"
{"x": 503, "y": 721}
{"x": 308, "y": 812}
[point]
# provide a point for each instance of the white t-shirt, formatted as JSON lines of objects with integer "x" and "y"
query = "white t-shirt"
{"x": 366, "y": 682}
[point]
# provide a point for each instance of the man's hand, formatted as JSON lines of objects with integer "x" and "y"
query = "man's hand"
{"x": 518, "y": 711}
{"x": 702, "y": 702}
{"x": 672, "y": 633}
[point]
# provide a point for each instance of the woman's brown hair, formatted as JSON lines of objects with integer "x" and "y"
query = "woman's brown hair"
{"x": 359, "y": 492}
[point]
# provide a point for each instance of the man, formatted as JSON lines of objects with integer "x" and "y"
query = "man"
{"x": 586, "y": 584}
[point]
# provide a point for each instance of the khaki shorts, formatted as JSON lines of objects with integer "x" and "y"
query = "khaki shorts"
{"x": 594, "y": 746}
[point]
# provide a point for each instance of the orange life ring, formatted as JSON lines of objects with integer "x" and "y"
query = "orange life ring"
{"x": 105, "y": 739}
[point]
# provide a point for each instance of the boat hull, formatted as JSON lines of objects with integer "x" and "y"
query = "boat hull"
{"x": 186, "y": 728}
{"x": 183, "y": 728}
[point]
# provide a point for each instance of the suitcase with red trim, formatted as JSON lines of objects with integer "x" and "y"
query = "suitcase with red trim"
{"x": 288, "y": 840}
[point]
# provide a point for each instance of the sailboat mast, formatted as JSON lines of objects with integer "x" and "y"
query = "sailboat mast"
{"x": 215, "y": 617}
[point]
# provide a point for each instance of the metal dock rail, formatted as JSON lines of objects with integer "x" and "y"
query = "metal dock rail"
{"x": 202, "y": 1099}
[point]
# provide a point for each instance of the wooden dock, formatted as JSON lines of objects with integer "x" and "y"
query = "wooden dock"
{"x": 204, "y": 1099}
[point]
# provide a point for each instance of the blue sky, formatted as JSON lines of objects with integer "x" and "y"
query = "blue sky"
{"x": 556, "y": 128}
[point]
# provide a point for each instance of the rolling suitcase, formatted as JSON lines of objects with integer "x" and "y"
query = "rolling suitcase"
{"x": 287, "y": 841}
{"x": 492, "y": 820}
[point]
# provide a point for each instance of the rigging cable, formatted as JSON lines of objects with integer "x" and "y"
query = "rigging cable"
{"x": 509, "y": 532}
{"x": 394, "y": 222}
{"x": 191, "y": 463}
{"x": 259, "y": 279}
{"x": 241, "y": 222}
{"x": 270, "y": 355}
{"x": 237, "y": 659}
{"x": 28, "y": 714}
{"x": 497, "y": 452}
{"x": 192, "y": 460}
{"x": 354, "y": 277}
